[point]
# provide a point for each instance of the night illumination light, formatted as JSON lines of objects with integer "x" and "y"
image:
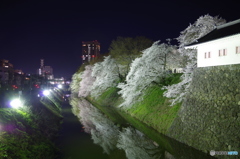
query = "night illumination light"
{"x": 59, "y": 86}
{"x": 46, "y": 92}
{"x": 16, "y": 103}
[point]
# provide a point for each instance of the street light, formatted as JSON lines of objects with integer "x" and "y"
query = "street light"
{"x": 46, "y": 92}
{"x": 16, "y": 103}
{"x": 59, "y": 86}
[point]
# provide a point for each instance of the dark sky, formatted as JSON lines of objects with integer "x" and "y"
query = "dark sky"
{"x": 54, "y": 29}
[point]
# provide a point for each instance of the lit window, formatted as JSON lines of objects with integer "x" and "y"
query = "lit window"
{"x": 238, "y": 50}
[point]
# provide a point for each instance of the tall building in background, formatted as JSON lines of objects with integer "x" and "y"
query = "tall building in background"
{"x": 6, "y": 72}
{"x": 45, "y": 71}
{"x": 90, "y": 50}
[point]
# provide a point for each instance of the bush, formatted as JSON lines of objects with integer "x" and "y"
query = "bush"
{"x": 29, "y": 132}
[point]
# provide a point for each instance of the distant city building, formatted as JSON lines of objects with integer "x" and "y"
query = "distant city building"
{"x": 19, "y": 72}
{"x": 45, "y": 71}
{"x": 57, "y": 81}
{"x": 6, "y": 72}
{"x": 90, "y": 50}
{"x": 219, "y": 47}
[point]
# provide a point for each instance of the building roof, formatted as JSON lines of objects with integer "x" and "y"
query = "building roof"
{"x": 220, "y": 31}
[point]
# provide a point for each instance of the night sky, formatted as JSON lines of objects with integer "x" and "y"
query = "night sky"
{"x": 54, "y": 29}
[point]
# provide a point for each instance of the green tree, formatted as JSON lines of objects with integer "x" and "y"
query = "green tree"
{"x": 125, "y": 49}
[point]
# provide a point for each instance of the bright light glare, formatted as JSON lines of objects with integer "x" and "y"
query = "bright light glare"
{"x": 46, "y": 92}
{"x": 16, "y": 103}
{"x": 59, "y": 86}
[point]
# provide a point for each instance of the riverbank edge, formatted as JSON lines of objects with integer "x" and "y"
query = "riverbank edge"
{"x": 171, "y": 146}
{"x": 175, "y": 127}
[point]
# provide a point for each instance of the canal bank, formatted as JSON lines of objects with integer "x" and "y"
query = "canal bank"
{"x": 208, "y": 119}
{"x": 165, "y": 147}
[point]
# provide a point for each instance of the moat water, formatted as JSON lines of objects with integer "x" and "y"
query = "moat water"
{"x": 118, "y": 139}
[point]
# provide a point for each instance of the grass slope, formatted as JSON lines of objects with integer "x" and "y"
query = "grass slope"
{"x": 29, "y": 132}
{"x": 153, "y": 110}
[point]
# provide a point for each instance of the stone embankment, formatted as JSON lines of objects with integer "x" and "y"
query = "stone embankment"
{"x": 209, "y": 118}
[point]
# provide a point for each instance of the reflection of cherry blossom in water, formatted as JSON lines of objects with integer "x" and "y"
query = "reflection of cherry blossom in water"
{"x": 103, "y": 130}
{"x": 108, "y": 136}
{"x": 137, "y": 145}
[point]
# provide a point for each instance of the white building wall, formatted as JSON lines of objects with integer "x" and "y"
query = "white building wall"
{"x": 177, "y": 70}
{"x": 229, "y": 43}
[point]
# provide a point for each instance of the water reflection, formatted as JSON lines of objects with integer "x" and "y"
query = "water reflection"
{"x": 137, "y": 145}
{"x": 109, "y": 136}
{"x": 134, "y": 143}
{"x": 102, "y": 130}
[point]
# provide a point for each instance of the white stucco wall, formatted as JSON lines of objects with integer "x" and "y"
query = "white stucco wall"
{"x": 177, "y": 70}
{"x": 230, "y": 43}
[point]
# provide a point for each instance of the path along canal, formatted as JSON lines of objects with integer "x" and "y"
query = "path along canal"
{"x": 131, "y": 139}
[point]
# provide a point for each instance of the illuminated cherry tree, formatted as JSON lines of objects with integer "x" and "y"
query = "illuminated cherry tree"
{"x": 74, "y": 85}
{"x": 201, "y": 27}
{"x": 87, "y": 81}
{"x": 148, "y": 69}
{"x": 106, "y": 74}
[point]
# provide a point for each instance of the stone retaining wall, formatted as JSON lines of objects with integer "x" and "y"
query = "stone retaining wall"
{"x": 209, "y": 118}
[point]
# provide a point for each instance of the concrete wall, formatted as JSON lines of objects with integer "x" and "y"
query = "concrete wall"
{"x": 209, "y": 118}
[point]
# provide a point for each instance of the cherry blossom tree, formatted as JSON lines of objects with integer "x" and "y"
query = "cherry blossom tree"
{"x": 106, "y": 74}
{"x": 80, "y": 87}
{"x": 200, "y": 28}
{"x": 87, "y": 81}
{"x": 74, "y": 85}
{"x": 148, "y": 69}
